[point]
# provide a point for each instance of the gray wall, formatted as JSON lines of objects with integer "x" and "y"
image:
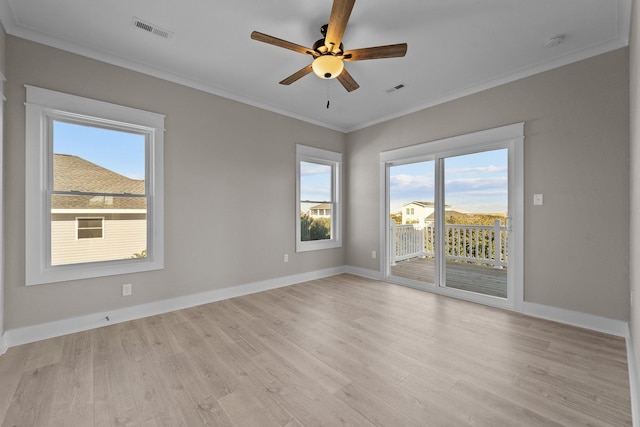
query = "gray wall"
{"x": 635, "y": 178}
{"x": 576, "y": 154}
{"x": 3, "y": 41}
{"x": 229, "y": 188}
{"x": 3, "y": 38}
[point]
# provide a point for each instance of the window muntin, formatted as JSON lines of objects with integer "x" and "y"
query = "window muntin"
{"x": 52, "y": 202}
{"x": 318, "y": 199}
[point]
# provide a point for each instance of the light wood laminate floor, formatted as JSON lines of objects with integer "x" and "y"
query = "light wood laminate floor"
{"x": 339, "y": 351}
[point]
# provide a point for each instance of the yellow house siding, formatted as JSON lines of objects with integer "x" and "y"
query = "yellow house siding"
{"x": 123, "y": 236}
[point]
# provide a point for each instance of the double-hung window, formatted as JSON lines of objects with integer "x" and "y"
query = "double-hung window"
{"x": 94, "y": 188}
{"x": 318, "y": 204}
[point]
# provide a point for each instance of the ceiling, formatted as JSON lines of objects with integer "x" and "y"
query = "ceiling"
{"x": 456, "y": 47}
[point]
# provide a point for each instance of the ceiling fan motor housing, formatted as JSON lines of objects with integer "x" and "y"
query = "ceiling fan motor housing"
{"x": 327, "y": 65}
{"x": 321, "y": 48}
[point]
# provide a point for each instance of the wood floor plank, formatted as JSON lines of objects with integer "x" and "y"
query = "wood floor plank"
{"x": 310, "y": 394}
{"x": 113, "y": 398}
{"x": 205, "y": 364}
{"x": 343, "y": 350}
{"x": 163, "y": 343}
{"x": 45, "y": 353}
{"x": 301, "y": 359}
{"x": 73, "y": 395}
{"x": 12, "y": 365}
{"x": 31, "y": 405}
{"x": 516, "y": 412}
{"x": 460, "y": 410}
{"x": 257, "y": 379}
{"x": 245, "y": 410}
{"x": 191, "y": 393}
{"x": 375, "y": 408}
{"x": 611, "y": 412}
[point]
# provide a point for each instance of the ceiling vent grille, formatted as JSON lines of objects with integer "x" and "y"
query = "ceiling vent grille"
{"x": 151, "y": 28}
{"x": 396, "y": 87}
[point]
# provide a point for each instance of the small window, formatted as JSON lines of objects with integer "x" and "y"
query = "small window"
{"x": 89, "y": 228}
{"x": 318, "y": 199}
{"x": 91, "y": 165}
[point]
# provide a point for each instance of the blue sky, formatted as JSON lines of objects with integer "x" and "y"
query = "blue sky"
{"x": 473, "y": 183}
{"x": 121, "y": 152}
{"x": 315, "y": 182}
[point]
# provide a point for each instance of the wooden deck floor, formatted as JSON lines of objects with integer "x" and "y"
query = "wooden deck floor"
{"x": 340, "y": 351}
{"x": 470, "y": 277}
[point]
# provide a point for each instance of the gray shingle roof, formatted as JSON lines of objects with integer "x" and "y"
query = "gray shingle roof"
{"x": 73, "y": 173}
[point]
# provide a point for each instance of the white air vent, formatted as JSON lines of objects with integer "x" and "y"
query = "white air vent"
{"x": 151, "y": 28}
{"x": 554, "y": 41}
{"x": 396, "y": 87}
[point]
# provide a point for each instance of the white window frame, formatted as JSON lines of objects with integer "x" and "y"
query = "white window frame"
{"x": 78, "y": 228}
{"x": 42, "y": 107}
{"x": 329, "y": 158}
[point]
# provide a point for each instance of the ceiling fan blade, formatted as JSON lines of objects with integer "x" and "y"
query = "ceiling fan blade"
{"x": 261, "y": 37}
{"x": 340, "y": 12}
{"x": 378, "y": 52}
{"x": 297, "y": 75}
{"x": 347, "y": 81}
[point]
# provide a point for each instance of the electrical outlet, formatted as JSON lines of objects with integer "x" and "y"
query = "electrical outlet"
{"x": 286, "y": 257}
{"x": 374, "y": 255}
{"x": 127, "y": 289}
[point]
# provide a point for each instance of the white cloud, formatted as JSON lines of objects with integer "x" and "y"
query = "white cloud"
{"x": 309, "y": 192}
{"x": 410, "y": 182}
{"x": 479, "y": 169}
{"x": 310, "y": 169}
{"x": 469, "y": 184}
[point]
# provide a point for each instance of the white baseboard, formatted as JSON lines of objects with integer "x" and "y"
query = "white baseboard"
{"x": 4, "y": 346}
{"x": 583, "y": 320}
{"x": 364, "y": 272}
{"x": 634, "y": 379}
{"x": 27, "y": 334}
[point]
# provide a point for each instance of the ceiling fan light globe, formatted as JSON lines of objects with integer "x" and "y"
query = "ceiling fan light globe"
{"x": 327, "y": 66}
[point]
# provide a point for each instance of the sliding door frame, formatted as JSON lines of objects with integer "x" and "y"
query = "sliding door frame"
{"x": 511, "y": 137}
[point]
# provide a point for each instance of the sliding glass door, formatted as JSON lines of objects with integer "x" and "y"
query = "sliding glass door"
{"x": 412, "y": 221}
{"x": 476, "y": 212}
{"x": 449, "y": 217}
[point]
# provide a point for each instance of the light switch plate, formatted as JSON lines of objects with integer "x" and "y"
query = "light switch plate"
{"x": 537, "y": 199}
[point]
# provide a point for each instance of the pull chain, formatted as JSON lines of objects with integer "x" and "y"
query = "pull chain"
{"x": 328, "y": 100}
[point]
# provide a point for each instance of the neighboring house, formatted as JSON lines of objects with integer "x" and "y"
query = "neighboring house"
{"x": 422, "y": 212}
{"x": 416, "y": 212}
{"x": 86, "y": 228}
{"x": 323, "y": 210}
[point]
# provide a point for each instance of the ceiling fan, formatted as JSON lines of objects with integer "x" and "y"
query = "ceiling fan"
{"x": 329, "y": 53}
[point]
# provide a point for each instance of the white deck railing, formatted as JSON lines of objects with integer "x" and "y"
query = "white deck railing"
{"x": 474, "y": 243}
